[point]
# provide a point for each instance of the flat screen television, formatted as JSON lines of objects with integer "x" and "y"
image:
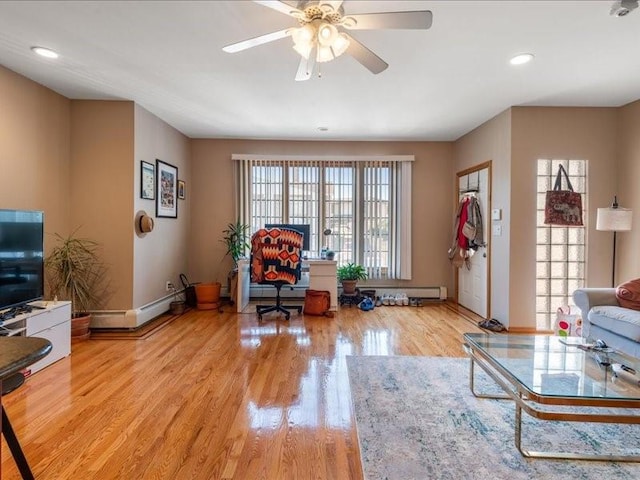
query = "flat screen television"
{"x": 304, "y": 229}
{"x": 21, "y": 257}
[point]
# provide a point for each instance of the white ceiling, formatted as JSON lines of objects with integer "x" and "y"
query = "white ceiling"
{"x": 441, "y": 83}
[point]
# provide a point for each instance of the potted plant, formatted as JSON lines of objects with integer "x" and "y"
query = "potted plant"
{"x": 349, "y": 275}
{"x": 236, "y": 240}
{"x": 75, "y": 273}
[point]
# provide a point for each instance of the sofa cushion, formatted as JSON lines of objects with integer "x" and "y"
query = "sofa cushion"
{"x": 621, "y": 321}
{"x": 628, "y": 294}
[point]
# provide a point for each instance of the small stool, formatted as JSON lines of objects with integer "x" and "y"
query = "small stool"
{"x": 350, "y": 298}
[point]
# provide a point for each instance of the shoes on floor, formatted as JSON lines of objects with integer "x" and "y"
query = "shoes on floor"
{"x": 493, "y": 325}
{"x": 401, "y": 299}
{"x": 378, "y": 301}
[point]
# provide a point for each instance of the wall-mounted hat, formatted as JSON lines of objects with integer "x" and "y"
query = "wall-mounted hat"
{"x": 143, "y": 223}
{"x": 146, "y": 223}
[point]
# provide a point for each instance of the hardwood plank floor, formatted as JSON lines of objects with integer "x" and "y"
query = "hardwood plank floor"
{"x": 216, "y": 396}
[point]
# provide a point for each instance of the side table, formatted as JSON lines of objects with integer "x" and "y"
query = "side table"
{"x": 17, "y": 353}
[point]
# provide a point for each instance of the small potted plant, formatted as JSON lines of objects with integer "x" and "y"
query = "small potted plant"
{"x": 75, "y": 272}
{"x": 349, "y": 275}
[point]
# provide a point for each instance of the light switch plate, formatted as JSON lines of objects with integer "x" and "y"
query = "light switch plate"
{"x": 496, "y": 214}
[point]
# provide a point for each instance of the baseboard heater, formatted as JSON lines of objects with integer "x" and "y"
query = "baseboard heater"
{"x": 297, "y": 291}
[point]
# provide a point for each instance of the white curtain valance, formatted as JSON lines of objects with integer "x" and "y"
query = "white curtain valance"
{"x": 323, "y": 158}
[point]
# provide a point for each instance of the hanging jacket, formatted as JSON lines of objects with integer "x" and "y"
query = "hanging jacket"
{"x": 473, "y": 227}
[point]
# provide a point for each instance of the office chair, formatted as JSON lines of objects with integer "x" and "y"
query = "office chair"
{"x": 276, "y": 260}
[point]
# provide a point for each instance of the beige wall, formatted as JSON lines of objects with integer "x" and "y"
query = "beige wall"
{"x": 34, "y": 151}
{"x": 213, "y": 199}
{"x": 102, "y": 179}
{"x": 160, "y": 255}
{"x": 629, "y": 189}
{"x": 571, "y": 133}
{"x": 492, "y": 142}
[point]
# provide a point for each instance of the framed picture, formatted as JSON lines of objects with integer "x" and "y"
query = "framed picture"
{"x": 181, "y": 189}
{"x": 147, "y": 180}
{"x": 167, "y": 188}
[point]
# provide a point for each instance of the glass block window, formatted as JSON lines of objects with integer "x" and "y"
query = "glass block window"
{"x": 560, "y": 251}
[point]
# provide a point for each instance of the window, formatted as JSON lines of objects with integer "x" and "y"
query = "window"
{"x": 363, "y": 202}
{"x": 560, "y": 251}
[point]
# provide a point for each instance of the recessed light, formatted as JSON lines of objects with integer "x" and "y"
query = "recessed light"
{"x": 45, "y": 52}
{"x": 521, "y": 59}
{"x": 323, "y": 129}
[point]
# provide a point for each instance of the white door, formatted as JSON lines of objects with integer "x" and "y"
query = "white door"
{"x": 473, "y": 278}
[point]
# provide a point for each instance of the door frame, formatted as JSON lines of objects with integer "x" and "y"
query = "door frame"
{"x": 488, "y": 234}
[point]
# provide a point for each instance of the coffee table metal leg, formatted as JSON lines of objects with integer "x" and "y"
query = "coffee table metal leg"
{"x": 562, "y": 455}
{"x": 471, "y": 383}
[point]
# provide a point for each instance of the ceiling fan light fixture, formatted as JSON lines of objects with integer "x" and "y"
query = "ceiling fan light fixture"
{"x": 325, "y": 54}
{"x": 340, "y": 44}
{"x": 327, "y": 34}
{"x": 304, "y": 49}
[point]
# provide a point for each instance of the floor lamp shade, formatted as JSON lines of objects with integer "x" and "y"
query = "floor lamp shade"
{"x": 614, "y": 219}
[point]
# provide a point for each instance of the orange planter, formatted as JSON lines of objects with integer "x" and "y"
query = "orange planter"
{"x": 80, "y": 328}
{"x": 208, "y": 295}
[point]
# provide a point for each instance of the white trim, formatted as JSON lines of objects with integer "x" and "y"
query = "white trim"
{"x": 324, "y": 158}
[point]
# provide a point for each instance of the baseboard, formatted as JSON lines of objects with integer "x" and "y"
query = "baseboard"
{"x": 133, "y": 318}
{"x": 297, "y": 291}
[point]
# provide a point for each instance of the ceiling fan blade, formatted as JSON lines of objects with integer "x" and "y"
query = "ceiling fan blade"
{"x": 254, "y": 42}
{"x": 305, "y": 67}
{"x": 405, "y": 20}
{"x": 365, "y": 56}
{"x": 335, "y": 4}
{"x": 279, "y": 7}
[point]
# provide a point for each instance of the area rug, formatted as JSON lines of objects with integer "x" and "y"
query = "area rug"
{"x": 417, "y": 419}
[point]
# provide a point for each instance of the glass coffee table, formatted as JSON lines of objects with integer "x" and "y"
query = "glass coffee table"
{"x": 561, "y": 379}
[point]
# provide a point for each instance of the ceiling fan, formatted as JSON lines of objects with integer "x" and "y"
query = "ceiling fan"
{"x": 321, "y": 34}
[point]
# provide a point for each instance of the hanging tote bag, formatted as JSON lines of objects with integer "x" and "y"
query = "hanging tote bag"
{"x": 563, "y": 207}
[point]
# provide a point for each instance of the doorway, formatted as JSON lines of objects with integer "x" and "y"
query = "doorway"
{"x": 473, "y": 279}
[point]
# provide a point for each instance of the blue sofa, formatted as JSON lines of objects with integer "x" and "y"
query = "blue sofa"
{"x": 603, "y": 318}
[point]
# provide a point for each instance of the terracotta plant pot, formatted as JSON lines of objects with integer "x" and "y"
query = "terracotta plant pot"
{"x": 80, "y": 327}
{"x": 349, "y": 287}
{"x": 208, "y": 295}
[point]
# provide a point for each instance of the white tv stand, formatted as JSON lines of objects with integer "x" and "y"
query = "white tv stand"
{"x": 52, "y": 322}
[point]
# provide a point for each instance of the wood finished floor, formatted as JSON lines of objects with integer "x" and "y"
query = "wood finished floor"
{"x": 216, "y": 396}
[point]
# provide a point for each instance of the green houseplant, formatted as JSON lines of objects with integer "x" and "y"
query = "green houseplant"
{"x": 236, "y": 239}
{"x": 349, "y": 275}
{"x": 75, "y": 272}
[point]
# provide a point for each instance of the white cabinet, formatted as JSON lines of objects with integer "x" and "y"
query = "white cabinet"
{"x": 322, "y": 276}
{"x": 52, "y": 322}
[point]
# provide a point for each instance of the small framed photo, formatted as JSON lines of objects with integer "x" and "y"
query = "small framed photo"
{"x": 147, "y": 180}
{"x": 181, "y": 188}
{"x": 167, "y": 188}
